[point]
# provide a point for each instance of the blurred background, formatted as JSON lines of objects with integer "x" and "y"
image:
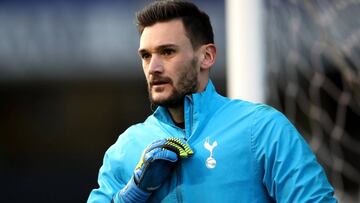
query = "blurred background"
{"x": 71, "y": 81}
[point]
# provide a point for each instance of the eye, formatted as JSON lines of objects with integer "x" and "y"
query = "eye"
{"x": 167, "y": 52}
{"x": 145, "y": 55}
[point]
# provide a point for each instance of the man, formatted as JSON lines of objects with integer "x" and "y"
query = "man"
{"x": 199, "y": 146}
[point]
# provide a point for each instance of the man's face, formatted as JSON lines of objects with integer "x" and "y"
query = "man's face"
{"x": 169, "y": 62}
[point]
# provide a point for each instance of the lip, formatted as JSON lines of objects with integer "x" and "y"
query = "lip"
{"x": 158, "y": 85}
{"x": 155, "y": 83}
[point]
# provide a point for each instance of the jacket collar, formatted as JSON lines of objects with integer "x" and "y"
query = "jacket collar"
{"x": 197, "y": 108}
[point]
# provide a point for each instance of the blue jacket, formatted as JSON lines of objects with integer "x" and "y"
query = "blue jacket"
{"x": 260, "y": 156}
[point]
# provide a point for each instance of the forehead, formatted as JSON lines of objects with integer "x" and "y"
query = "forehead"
{"x": 170, "y": 32}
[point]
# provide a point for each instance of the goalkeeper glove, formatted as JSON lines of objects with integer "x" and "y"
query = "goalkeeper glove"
{"x": 155, "y": 165}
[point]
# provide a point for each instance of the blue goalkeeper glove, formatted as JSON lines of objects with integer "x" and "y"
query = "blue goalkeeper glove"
{"x": 155, "y": 166}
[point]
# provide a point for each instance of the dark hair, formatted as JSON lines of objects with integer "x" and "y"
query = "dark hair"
{"x": 196, "y": 22}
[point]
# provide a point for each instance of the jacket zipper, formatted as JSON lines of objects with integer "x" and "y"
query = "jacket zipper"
{"x": 179, "y": 196}
{"x": 179, "y": 177}
{"x": 178, "y": 189}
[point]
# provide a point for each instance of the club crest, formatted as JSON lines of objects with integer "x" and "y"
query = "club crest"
{"x": 210, "y": 161}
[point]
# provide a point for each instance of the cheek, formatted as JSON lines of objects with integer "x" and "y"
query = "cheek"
{"x": 145, "y": 70}
{"x": 177, "y": 68}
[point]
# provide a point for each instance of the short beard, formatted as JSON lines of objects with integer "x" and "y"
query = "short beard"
{"x": 188, "y": 84}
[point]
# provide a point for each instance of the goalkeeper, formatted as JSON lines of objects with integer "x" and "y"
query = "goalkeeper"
{"x": 199, "y": 146}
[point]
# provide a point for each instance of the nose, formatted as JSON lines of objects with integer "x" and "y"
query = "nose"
{"x": 155, "y": 65}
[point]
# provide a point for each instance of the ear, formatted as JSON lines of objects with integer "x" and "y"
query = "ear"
{"x": 208, "y": 56}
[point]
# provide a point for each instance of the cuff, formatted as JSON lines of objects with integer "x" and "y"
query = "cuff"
{"x": 131, "y": 194}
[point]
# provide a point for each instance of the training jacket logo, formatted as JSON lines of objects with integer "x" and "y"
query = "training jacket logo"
{"x": 210, "y": 161}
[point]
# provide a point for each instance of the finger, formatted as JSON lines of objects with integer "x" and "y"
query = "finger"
{"x": 163, "y": 154}
{"x": 157, "y": 154}
{"x": 156, "y": 144}
{"x": 181, "y": 146}
{"x": 145, "y": 156}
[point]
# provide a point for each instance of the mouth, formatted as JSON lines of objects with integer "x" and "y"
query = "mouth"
{"x": 159, "y": 82}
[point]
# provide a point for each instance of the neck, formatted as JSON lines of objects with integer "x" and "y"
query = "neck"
{"x": 177, "y": 113}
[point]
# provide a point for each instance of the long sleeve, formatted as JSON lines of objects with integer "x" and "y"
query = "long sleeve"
{"x": 118, "y": 166}
{"x": 290, "y": 170}
{"x": 108, "y": 184}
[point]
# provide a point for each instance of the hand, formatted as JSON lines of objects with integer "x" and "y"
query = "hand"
{"x": 157, "y": 162}
{"x": 155, "y": 166}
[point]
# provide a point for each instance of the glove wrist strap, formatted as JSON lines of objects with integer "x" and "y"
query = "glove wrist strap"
{"x": 132, "y": 193}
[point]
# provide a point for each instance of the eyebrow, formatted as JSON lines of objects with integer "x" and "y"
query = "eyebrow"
{"x": 159, "y": 48}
